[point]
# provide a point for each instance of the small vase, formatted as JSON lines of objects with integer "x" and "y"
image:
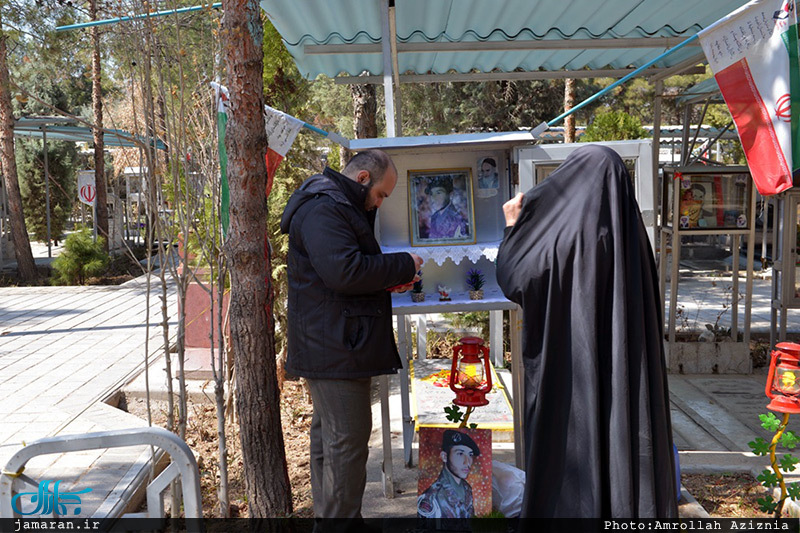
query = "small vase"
{"x": 417, "y": 297}
{"x": 476, "y": 295}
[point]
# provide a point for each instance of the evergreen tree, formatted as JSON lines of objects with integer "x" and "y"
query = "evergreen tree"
{"x": 61, "y": 159}
{"x": 22, "y": 246}
{"x": 286, "y": 90}
{"x": 82, "y": 258}
{"x": 464, "y": 107}
{"x": 614, "y": 126}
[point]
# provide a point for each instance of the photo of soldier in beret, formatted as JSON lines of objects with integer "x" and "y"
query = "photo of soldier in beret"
{"x": 450, "y": 495}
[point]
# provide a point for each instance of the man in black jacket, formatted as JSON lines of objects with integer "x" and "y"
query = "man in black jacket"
{"x": 340, "y": 330}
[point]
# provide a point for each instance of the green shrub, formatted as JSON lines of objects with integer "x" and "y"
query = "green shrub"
{"x": 81, "y": 259}
{"x": 614, "y": 126}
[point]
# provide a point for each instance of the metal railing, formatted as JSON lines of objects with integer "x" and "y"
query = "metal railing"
{"x": 183, "y": 464}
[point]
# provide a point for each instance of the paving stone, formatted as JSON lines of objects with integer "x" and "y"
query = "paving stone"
{"x": 62, "y": 352}
{"x": 66, "y": 348}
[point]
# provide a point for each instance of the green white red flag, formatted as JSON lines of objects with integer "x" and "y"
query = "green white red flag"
{"x": 754, "y": 57}
{"x": 221, "y": 101}
{"x": 282, "y": 129}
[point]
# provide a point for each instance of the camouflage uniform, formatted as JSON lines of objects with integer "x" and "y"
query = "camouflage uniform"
{"x": 447, "y": 223}
{"x": 446, "y": 499}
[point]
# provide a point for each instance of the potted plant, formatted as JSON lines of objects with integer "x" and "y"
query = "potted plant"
{"x": 475, "y": 282}
{"x": 416, "y": 292}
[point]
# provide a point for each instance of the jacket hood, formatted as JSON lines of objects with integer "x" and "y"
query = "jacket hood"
{"x": 330, "y": 183}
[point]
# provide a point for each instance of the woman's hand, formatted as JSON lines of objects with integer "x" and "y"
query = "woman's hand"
{"x": 512, "y": 208}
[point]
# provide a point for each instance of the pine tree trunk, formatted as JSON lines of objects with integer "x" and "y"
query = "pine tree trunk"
{"x": 365, "y": 110}
{"x": 101, "y": 198}
{"x": 569, "y": 102}
{"x": 22, "y": 244}
{"x": 252, "y": 325}
{"x": 365, "y": 117}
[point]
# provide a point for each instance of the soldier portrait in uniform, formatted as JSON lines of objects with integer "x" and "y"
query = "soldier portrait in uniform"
{"x": 459, "y": 488}
{"x": 441, "y": 207}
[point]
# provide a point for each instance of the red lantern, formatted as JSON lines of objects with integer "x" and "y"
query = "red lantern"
{"x": 783, "y": 380}
{"x": 470, "y": 377}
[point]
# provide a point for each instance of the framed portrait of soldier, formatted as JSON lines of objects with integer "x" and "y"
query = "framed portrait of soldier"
{"x": 441, "y": 209}
{"x": 455, "y": 475}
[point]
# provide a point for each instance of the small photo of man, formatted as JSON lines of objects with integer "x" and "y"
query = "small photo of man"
{"x": 455, "y": 476}
{"x": 488, "y": 177}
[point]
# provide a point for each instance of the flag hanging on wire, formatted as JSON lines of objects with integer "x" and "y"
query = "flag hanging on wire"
{"x": 753, "y": 55}
{"x": 282, "y": 129}
{"x": 221, "y": 100}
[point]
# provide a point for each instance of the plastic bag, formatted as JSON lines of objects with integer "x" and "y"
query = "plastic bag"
{"x": 508, "y": 486}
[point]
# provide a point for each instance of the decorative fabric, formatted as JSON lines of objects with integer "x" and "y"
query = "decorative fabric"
{"x": 456, "y": 253}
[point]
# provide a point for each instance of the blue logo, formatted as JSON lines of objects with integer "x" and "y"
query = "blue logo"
{"x": 49, "y": 500}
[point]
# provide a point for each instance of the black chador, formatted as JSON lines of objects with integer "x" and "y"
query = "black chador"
{"x": 597, "y": 425}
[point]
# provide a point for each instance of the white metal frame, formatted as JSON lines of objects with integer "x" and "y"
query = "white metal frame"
{"x": 790, "y": 246}
{"x": 516, "y": 76}
{"x": 499, "y": 46}
{"x": 404, "y": 312}
{"x": 784, "y": 275}
{"x": 671, "y": 229}
{"x": 183, "y": 465}
{"x": 639, "y": 150}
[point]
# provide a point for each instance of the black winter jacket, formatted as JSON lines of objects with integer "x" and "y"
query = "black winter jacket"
{"x": 340, "y": 314}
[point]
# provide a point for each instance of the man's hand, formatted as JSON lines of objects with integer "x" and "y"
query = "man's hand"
{"x": 406, "y": 286}
{"x": 417, "y": 262}
{"x": 512, "y": 208}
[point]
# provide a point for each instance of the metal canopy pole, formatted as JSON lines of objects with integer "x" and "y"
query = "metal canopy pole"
{"x": 620, "y": 81}
{"x": 675, "y": 271}
{"x": 687, "y": 124}
{"x": 777, "y": 271}
{"x": 748, "y": 295}
{"x": 512, "y": 76}
{"x": 658, "y": 88}
{"x": 387, "y": 37}
{"x": 82, "y": 25}
{"x": 398, "y": 112}
{"x": 94, "y": 219}
{"x": 47, "y": 191}
{"x": 388, "y": 87}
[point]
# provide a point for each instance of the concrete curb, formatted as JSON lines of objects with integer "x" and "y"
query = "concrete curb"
{"x": 688, "y": 506}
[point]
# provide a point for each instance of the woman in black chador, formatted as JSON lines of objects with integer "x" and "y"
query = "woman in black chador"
{"x": 577, "y": 259}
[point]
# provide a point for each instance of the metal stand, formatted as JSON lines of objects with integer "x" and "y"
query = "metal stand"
{"x": 676, "y": 232}
{"x": 785, "y": 294}
{"x": 404, "y": 309}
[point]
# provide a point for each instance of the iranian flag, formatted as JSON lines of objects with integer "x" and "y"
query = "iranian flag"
{"x": 753, "y": 55}
{"x": 282, "y": 129}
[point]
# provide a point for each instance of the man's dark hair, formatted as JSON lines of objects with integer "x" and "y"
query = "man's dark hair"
{"x": 375, "y": 162}
{"x": 441, "y": 182}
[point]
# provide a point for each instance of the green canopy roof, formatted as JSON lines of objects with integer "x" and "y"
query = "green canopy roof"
{"x": 450, "y": 37}
{"x": 62, "y": 129}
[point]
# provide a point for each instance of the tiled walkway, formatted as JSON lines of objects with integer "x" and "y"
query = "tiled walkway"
{"x": 63, "y": 350}
{"x": 702, "y": 299}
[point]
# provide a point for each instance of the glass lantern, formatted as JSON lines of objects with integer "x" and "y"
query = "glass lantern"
{"x": 470, "y": 376}
{"x": 783, "y": 380}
